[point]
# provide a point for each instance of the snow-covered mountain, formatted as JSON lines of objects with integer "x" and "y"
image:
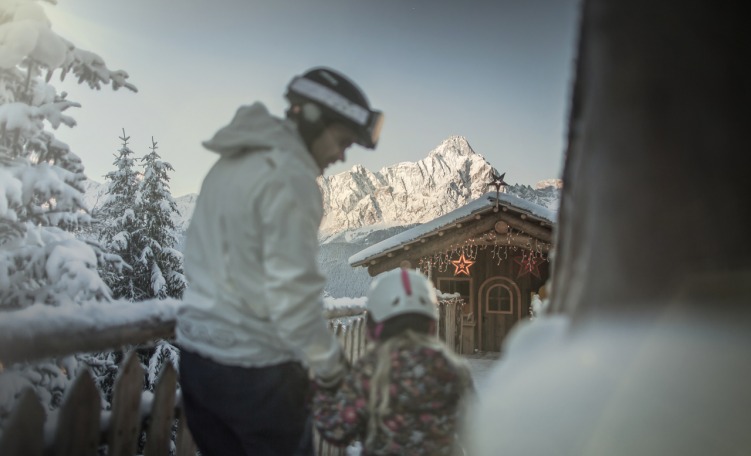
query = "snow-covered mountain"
{"x": 450, "y": 176}
{"x": 94, "y": 194}
{"x": 362, "y": 207}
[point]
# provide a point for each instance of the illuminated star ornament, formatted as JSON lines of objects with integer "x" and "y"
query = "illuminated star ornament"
{"x": 462, "y": 265}
{"x": 497, "y": 182}
{"x": 527, "y": 265}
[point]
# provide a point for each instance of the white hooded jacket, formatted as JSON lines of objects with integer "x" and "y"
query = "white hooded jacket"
{"x": 255, "y": 289}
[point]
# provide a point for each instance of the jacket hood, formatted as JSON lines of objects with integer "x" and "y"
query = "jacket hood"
{"x": 253, "y": 129}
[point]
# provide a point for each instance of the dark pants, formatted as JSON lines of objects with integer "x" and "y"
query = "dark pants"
{"x": 246, "y": 411}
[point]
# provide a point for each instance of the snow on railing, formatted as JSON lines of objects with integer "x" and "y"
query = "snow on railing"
{"x": 80, "y": 426}
{"x": 41, "y": 331}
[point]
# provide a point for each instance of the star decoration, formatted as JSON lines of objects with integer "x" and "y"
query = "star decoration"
{"x": 462, "y": 265}
{"x": 497, "y": 182}
{"x": 527, "y": 265}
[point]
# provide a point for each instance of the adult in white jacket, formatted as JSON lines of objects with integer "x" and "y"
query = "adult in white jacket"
{"x": 252, "y": 313}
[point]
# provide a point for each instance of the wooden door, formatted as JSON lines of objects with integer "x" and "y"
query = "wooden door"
{"x": 499, "y": 308}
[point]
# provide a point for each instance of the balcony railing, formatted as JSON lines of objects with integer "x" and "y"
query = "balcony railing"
{"x": 80, "y": 426}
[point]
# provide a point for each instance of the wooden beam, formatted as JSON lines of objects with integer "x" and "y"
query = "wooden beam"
{"x": 526, "y": 226}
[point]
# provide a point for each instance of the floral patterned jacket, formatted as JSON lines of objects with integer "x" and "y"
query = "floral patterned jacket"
{"x": 427, "y": 398}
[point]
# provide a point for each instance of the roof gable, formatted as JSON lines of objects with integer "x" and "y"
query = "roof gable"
{"x": 475, "y": 217}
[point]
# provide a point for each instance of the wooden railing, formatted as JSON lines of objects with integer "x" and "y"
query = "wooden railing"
{"x": 80, "y": 427}
{"x": 450, "y": 322}
{"x": 351, "y": 334}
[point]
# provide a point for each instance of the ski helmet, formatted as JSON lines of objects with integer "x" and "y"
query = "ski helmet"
{"x": 326, "y": 96}
{"x": 401, "y": 291}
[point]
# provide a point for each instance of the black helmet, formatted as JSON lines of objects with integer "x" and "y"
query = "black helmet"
{"x": 326, "y": 96}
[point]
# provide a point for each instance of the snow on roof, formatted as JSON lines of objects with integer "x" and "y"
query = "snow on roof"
{"x": 483, "y": 204}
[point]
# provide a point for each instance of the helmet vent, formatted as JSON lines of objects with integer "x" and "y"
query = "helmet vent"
{"x": 396, "y": 301}
{"x": 405, "y": 282}
{"x": 329, "y": 77}
{"x": 423, "y": 301}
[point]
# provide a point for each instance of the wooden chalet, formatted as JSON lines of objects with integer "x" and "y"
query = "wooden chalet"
{"x": 493, "y": 252}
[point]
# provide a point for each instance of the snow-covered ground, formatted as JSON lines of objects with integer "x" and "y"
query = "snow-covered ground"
{"x": 481, "y": 364}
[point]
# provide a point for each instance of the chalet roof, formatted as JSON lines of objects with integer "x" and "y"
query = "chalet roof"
{"x": 482, "y": 205}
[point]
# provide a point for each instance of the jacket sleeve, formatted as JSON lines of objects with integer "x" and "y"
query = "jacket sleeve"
{"x": 341, "y": 415}
{"x": 291, "y": 211}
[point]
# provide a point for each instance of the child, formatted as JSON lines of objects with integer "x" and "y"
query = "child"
{"x": 406, "y": 395}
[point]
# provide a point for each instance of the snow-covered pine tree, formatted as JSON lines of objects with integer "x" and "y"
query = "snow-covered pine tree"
{"x": 119, "y": 227}
{"x": 155, "y": 208}
{"x": 41, "y": 261}
{"x": 159, "y": 265}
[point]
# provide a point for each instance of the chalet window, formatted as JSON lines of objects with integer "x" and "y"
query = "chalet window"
{"x": 499, "y": 299}
{"x": 461, "y": 286}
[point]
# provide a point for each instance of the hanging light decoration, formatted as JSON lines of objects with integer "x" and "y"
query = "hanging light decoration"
{"x": 500, "y": 245}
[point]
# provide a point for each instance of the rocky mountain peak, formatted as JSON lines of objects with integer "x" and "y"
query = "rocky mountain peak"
{"x": 405, "y": 193}
{"x": 453, "y": 145}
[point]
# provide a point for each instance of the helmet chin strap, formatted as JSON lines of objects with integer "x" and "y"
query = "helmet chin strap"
{"x": 375, "y": 332}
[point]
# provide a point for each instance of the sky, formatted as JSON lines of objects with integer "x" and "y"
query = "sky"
{"x": 498, "y": 72}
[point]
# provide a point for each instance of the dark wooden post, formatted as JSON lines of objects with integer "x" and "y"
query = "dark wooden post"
{"x": 656, "y": 203}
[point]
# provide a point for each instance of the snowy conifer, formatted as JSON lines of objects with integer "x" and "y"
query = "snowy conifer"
{"x": 120, "y": 228}
{"x": 161, "y": 262}
{"x": 160, "y": 265}
{"x": 41, "y": 261}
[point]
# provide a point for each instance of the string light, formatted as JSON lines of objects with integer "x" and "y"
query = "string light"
{"x": 533, "y": 252}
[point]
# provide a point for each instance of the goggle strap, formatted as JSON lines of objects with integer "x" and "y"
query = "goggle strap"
{"x": 330, "y": 99}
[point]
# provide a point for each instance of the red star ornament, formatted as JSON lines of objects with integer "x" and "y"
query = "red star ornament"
{"x": 527, "y": 265}
{"x": 462, "y": 265}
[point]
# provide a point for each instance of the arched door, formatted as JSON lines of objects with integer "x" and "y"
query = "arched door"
{"x": 499, "y": 308}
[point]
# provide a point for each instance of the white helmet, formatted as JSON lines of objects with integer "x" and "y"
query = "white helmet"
{"x": 401, "y": 291}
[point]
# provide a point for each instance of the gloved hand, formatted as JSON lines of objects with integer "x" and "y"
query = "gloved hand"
{"x": 334, "y": 379}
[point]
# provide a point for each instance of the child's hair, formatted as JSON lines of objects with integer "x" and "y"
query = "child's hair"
{"x": 402, "y": 331}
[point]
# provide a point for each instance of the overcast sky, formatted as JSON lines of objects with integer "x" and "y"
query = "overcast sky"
{"x": 496, "y": 72}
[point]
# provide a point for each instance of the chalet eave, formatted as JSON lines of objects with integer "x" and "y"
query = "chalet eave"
{"x": 478, "y": 222}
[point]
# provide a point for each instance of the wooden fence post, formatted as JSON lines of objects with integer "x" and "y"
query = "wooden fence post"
{"x": 185, "y": 444}
{"x": 162, "y": 413}
{"x": 24, "y": 433}
{"x": 77, "y": 432}
{"x": 126, "y": 400}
